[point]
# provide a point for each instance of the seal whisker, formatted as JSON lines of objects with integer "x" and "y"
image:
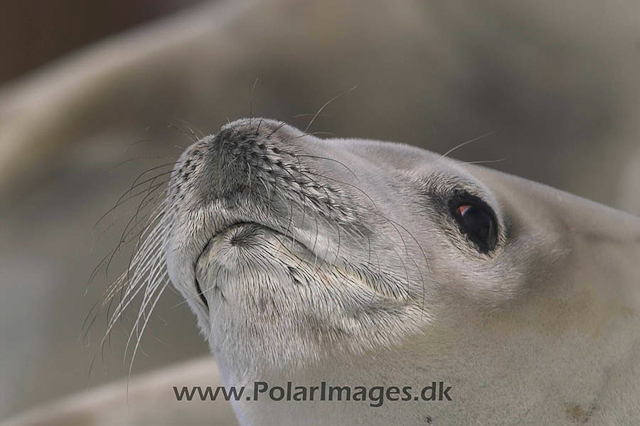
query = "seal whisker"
{"x": 394, "y": 224}
{"x": 150, "y": 201}
{"x": 140, "y": 157}
{"x": 319, "y": 157}
{"x": 147, "y": 284}
{"x": 110, "y": 292}
{"x": 467, "y": 143}
{"x": 327, "y": 104}
{"x": 137, "y": 345}
{"x": 122, "y": 198}
{"x": 253, "y": 88}
{"x": 191, "y": 136}
{"x": 197, "y": 134}
{"x": 307, "y": 174}
{"x": 124, "y": 233}
{"x": 123, "y": 240}
{"x": 148, "y": 254}
{"x": 276, "y": 130}
{"x": 499, "y": 160}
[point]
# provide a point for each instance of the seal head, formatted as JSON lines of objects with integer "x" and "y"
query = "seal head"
{"x": 291, "y": 248}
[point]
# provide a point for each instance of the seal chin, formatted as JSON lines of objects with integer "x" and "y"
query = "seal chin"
{"x": 236, "y": 248}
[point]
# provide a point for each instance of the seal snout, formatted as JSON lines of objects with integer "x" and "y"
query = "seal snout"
{"x": 240, "y": 155}
{"x": 243, "y": 159}
{"x": 261, "y": 168}
{"x": 268, "y": 174}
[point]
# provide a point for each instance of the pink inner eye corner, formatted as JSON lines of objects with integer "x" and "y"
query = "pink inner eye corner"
{"x": 462, "y": 209}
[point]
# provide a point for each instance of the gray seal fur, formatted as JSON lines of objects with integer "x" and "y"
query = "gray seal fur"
{"x": 337, "y": 260}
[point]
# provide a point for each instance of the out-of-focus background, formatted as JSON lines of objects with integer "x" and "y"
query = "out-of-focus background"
{"x": 95, "y": 93}
{"x": 35, "y": 32}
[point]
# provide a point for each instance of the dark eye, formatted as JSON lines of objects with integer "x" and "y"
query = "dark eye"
{"x": 477, "y": 221}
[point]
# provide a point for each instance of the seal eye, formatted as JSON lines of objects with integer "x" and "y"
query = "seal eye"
{"x": 477, "y": 221}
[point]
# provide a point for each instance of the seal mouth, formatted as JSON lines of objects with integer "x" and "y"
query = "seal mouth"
{"x": 240, "y": 234}
{"x": 244, "y": 228}
{"x": 233, "y": 226}
{"x": 221, "y": 232}
{"x": 225, "y": 231}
